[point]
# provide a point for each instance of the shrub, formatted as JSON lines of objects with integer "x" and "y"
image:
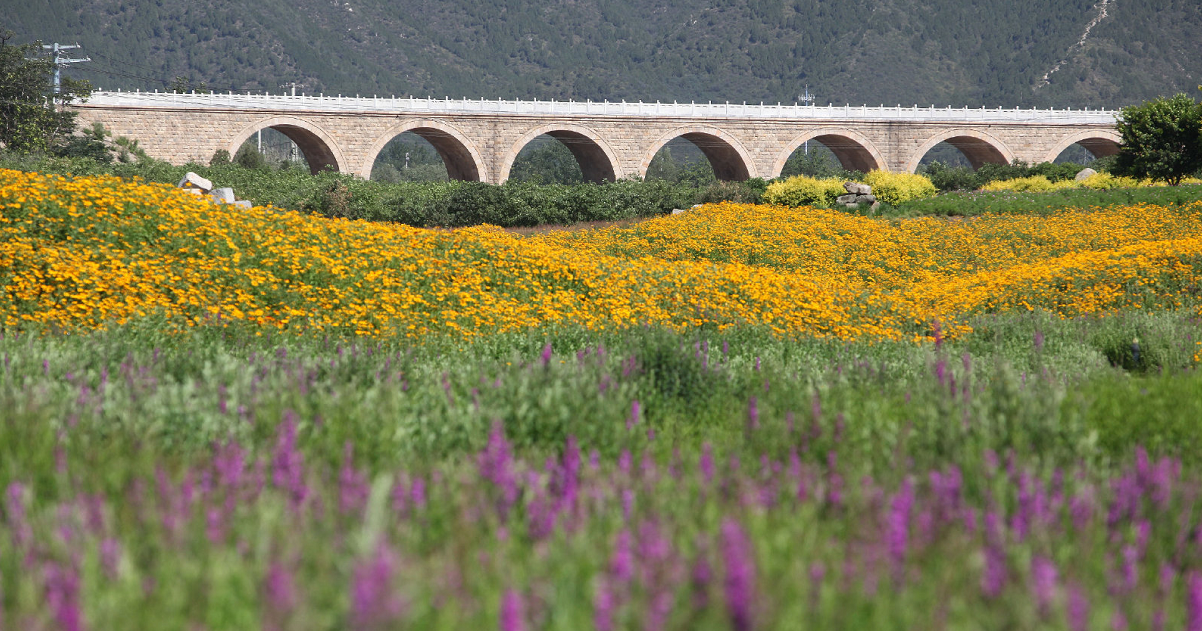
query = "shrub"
{"x": 1032, "y": 184}
{"x": 801, "y": 190}
{"x": 1162, "y": 139}
{"x": 1106, "y": 181}
{"x": 896, "y": 188}
{"x": 221, "y": 156}
{"x": 248, "y": 157}
{"x": 990, "y": 172}
{"x": 1058, "y": 172}
{"x": 947, "y": 178}
{"x": 749, "y": 192}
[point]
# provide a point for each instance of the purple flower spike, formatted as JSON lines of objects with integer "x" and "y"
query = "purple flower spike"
{"x": 753, "y": 414}
{"x": 1078, "y": 609}
{"x": 636, "y": 412}
{"x": 374, "y": 602}
{"x": 625, "y": 461}
{"x": 621, "y": 564}
{"x": 62, "y": 595}
{"x": 739, "y": 584}
{"x": 603, "y": 608}
{"x": 495, "y": 465}
{"x": 513, "y": 617}
{"x": 1130, "y": 569}
{"x": 899, "y": 529}
{"x": 994, "y": 577}
{"x": 230, "y": 462}
{"x": 110, "y": 557}
{"x": 1193, "y": 602}
{"x": 288, "y": 464}
{"x": 353, "y": 488}
{"x": 546, "y": 356}
{"x": 279, "y": 591}
{"x": 1043, "y": 583}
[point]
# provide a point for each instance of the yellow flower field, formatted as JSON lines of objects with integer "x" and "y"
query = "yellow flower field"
{"x": 88, "y": 252}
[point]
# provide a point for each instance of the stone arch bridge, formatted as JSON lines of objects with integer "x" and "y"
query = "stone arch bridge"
{"x": 479, "y": 139}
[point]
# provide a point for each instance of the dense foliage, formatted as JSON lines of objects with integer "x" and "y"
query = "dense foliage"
{"x": 963, "y": 178}
{"x": 1162, "y": 139}
{"x": 858, "y": 51}
{"x": 31, "y": 115}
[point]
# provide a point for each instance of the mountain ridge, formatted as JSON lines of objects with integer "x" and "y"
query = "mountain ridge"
{"x": 942, "y": 52}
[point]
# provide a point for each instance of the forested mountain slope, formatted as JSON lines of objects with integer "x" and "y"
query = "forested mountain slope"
{"x": 960, "y": 52}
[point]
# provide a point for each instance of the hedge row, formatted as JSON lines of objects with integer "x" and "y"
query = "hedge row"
{"x": 438, "y": 204}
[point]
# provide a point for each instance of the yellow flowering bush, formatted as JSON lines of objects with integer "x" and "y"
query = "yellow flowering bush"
{"x": 1033, "y": 184}
{"x": 802, "y": 190}
{"x": 90, "y": 252}
{"x": 1107, "y": 181}
{"x": 896, "y": 188}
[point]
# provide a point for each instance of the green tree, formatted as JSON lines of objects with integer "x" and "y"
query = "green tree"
{"x": 31, "y": 116}
{"x": 1161, "y": 139}
{"x": 184, "y": 85}
{"x": 546, "y": 161}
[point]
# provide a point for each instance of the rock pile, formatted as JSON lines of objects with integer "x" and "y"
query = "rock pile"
{"x": 199, "y": 186}
{"x": 857, "y": 194}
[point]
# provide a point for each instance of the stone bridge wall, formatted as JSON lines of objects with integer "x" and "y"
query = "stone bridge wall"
{"x": 609, "y": 144}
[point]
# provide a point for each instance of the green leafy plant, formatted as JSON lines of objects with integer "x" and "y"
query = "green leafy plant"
{"x": 1162, "y": 139}
{"x": 31, "y": 114}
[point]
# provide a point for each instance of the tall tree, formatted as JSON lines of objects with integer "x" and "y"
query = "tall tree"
{"x": 1161, "y": 139}
{"x": 32, "y": 117}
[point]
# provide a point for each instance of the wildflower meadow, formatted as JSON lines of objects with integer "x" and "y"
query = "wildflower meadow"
{"x": 740, "y": 417}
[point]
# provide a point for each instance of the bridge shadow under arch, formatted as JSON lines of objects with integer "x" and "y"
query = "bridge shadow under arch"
{"x": 730, "y": 161}
{"x": 459, "y": 154}
{"x": 1099, "y": 142}
{"x": 596, "y": 160}
{"x": 853, "y": 151}
{"x": 978, "y": 147}
{"x": 318, "y": 148}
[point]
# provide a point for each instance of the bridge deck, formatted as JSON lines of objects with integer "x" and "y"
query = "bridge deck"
{"x": 745, "y": 111}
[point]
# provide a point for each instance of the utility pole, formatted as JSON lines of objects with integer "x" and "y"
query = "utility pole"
{"x": 806, "y": 100}
{"x": 60, "y": 60}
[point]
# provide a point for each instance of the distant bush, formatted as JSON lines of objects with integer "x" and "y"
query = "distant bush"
{"x": 897, "y": 188}
{"x": 1031, "y": 184}
{"x": 802, "y": 190}
{"x": 1058, "y": 172}
{"x": 947, "y": 178}
{"x": 249, "y": 158}
{"x": 1106, "y": 182}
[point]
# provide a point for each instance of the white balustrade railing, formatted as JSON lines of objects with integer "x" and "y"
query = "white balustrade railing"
{"x": 410, "y": 105}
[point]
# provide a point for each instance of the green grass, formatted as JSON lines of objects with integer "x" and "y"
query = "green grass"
{"x": 1004, "y": 202}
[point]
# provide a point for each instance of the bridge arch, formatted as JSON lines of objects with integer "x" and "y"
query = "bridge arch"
{"x": 458, "y": 152}
{"x": 979, "y": 147}
{"x": 725, "y": 154}
{"x": 597, "y": 161}
{"x": 1099, "y": 142}
{"x": 854, "y": 151}
{"x": 319, "y": 149}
